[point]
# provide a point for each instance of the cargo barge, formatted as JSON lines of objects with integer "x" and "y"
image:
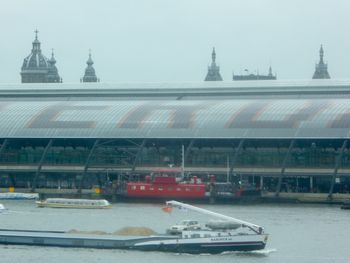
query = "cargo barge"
{"x": 229, "y": 234}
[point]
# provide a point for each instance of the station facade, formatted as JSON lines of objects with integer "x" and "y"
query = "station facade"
{"x": 283, "y": 137}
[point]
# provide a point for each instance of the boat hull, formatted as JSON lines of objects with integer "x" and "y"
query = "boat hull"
{"x": 72, "y": 206}
{"x": 142, "y": 243}
{"x": 205, "y": 245}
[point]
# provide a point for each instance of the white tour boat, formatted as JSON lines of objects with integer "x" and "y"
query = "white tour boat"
{"x": 2, "y": 208}
{"x": 19, "y": 196}
{"x": 74, "y": 203}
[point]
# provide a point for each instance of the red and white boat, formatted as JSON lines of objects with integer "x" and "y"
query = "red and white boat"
{"x": 163, "y": 183}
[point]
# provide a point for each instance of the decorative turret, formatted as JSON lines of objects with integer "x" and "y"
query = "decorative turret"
{"x": 52, "y": 74}
{"x": 321, "y": 69}
{"x": 37, "y": 68}
{"x": 270, "y": 72}
{"x": 213, "y": 70}
{"x": 257, "y": 76}
{"x": 90, "y": 75}
{"x": 34, "y": 68}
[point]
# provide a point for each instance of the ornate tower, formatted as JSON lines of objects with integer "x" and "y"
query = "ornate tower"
{"x": 35, "y": 66}
{"x": 213, "y": 70}
{"x": 321, "y": 71}
{"x": 52, "y": 73}
{"x": 90, "y": 75}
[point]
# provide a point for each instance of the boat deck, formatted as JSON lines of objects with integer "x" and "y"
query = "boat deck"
{"x": 64, "y": 239}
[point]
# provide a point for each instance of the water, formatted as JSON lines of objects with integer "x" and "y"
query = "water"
{"x": 298, "y": 233}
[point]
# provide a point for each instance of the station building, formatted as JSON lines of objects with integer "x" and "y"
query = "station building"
{"x": 277, "y": 135}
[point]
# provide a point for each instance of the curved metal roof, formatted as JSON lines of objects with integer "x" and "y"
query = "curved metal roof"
{"x": 207, "y": 89}
{"x": 245, "y": 118}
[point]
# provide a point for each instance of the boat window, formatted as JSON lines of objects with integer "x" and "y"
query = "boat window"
{"x": 195, "y": 235}
{"x": 133, "y": 187}
{"x": 207, "y": 235}
{"x": 142, "y": 187}
{"x": 187, "y": 189}
{"x": 160, "y": 188}
{"x": 151, "y": 188}
{"x": 178, "y": 189}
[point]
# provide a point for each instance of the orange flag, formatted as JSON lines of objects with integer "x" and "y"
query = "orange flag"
{"x": 167, "y": 209}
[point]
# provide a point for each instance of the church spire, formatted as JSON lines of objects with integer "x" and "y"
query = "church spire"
{"x": 321, "y": 69}
{"x": 52, "y": 74}
{"x": 270, "y": 71}
{"x": 213, "y": 70}
{"x": 213, "y": 56}
{"x": 90, "y": 75}
{"x": 321, "y": 55}
{"x": 36, "y": 43}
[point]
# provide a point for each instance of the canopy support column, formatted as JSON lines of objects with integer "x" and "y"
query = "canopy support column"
{"x": 311, "y": 184}
{"x": 86, "y": 165}
{"x": 336, "y": 167}
{"x": 38, "y": 169}
{"x": 188, "y": 149}
{"x": 234, "y": 158}
{"x": 3, "y": 145}
{"x": 284, "y": 164}
{"x": 138, "y": 154}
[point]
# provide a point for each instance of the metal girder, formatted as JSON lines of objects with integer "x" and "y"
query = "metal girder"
{"x": 3, "y": 145}
{"x": 189, "y": 147}
{"x": 38, "y": 169}
{"x": 234, "y": 158}
{"x": 138, "y": 154}
{"x": 86, "y": 165}
{"x": 336, "y": 167}
{"x": 284, "y": 164}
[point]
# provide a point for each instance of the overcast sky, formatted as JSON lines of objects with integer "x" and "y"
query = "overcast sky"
{"x": 172, "y": 40}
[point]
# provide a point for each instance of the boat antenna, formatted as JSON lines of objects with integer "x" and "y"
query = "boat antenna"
{"x": 183, "y": 161}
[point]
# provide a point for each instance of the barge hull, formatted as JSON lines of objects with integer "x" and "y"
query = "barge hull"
{"x": 63, "y": 239}
{"x": 149, "y": 243}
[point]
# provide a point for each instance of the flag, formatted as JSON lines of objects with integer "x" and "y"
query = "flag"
{"x": 167, "y": 209}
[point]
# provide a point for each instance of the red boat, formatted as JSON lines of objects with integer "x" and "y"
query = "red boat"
{"x": 164, "y": 184}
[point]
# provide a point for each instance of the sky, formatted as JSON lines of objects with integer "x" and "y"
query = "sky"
{"x": 172, "y": 40}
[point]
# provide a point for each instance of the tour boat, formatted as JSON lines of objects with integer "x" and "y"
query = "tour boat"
{"x": 164, "y": 184}
{"x": 19, "y": 196}
{"x": 74, "y": 203}
{"x": 2, "y": 208}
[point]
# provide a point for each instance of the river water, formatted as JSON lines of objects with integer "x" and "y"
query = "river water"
{"x": 298, "y": 233}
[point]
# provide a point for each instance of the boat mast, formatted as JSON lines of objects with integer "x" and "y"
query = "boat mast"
{"x": 257, "y": 229}
{"x": 183, "y": 162}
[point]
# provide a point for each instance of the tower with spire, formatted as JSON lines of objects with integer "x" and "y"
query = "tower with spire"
{"x": 213, "y": 70}
{"x": 36, "y": 68}
{"x": 321, "y": 69}
{"x": 90, "y": 75}
{"x": 52, "y": 72}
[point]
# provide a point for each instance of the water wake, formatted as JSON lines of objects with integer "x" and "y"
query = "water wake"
{"x": 254, "y": 253}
